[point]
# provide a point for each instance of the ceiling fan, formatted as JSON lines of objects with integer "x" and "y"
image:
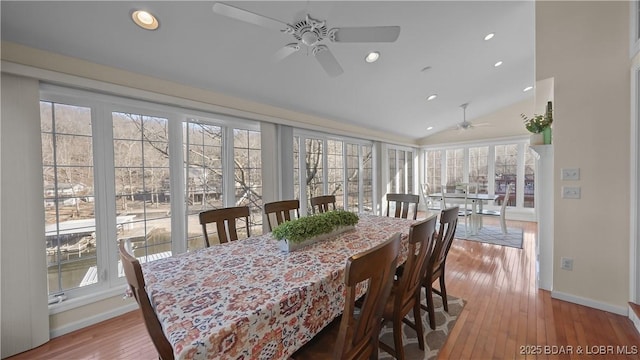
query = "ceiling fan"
{"x": 466, "y": 125}
{"x": 313, "y": 34}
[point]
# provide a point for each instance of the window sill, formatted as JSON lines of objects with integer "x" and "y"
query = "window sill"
{"x": 86, "y": 299}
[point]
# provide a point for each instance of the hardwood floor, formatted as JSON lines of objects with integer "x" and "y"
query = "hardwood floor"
{"x": 505, "y": 316}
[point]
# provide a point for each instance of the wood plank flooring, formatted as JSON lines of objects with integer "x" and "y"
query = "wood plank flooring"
{"x": 505, "y": 317}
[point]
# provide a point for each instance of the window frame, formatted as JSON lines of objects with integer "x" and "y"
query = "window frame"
{"x": 102, "y": 106}
{"x": 522, "y": 143}
{"x": 303, "y": 135}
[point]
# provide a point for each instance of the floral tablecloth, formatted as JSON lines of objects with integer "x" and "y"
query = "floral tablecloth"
{"x": 247, "y": 299}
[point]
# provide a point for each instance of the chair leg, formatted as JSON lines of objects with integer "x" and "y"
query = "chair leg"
{"x": 430, "y": 309}
{"x": 397, "y": 339}
{"x": 418, "y": 323}
{"x": 443, "y": 293}
{"x": 503, "y": 224}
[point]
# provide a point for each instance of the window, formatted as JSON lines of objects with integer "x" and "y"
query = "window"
{"x": 529, "y": 179}
{"x": 204, "y": 185}
{"x": 69, "y": 202}
{"x": 314, "y": 177}
{"x": 479, "y": 167}
{"x": 141, "y": 162}
{"x": 367, "y": 179}
{"x": 349, "y": 170}
{"x": 491, "y": 165}
{"x": 400, "y": 171}
{"x": 506, "y": 169}
{"x": 139, "y": 182}
{"x": 335, "y": 172}
{"x": 455, "y": 164}
{"x": 248, "y": 176}
{"x": 434, "y": 170}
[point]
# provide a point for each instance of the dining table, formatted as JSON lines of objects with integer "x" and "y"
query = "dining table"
{"x": 248, "y": 299}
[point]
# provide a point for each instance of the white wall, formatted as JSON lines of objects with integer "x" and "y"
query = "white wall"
{"x": 25, "y": 317}
{"x": 584, "y": 46}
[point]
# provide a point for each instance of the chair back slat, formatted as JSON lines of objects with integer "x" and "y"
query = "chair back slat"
{"x": 402, "y": 204}
{"x": 320, "y": 204}
{"x": 225, "y": 220}
{"x": 282, "y": 211}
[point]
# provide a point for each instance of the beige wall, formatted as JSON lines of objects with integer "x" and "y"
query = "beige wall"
{"x": 25, "y": 322}
{"x": 584, "y": 46}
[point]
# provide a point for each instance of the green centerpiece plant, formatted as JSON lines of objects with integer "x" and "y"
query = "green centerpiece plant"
{"x": 540, "y": 124}
{"x": 309, "y": 227}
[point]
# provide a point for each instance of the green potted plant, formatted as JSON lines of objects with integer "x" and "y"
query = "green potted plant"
{"x": 306, "y": 230}
{"x": 540, "y": 124}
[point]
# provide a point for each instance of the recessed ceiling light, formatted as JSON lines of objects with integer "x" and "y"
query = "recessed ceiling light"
{"x": 497, "y": 64}
{"x": 489, "y": 36}
{"x": 527, "y": 88}
{"x": 145, "y": 20}
{"x": 431, "y": 97}
{"x": 430, "y": 128}
{"x": 372, "y": 57}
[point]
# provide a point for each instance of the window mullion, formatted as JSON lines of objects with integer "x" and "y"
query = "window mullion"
{"x": 360, "y": 178}
{"x": 105, "y": 209}
{"x": 302, "y": 170}
{"x": 491, "y": 170}
{"x": 465, "y": 165}
{"x": 520, "y": 176}
{"x": 325, "y": 167}
{"x": 228, "y": 168}
{"x": 177, "y": 173}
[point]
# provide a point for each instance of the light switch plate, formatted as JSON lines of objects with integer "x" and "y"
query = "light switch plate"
{"x": 571, "y": 192}
{"x": 570, "y": 174}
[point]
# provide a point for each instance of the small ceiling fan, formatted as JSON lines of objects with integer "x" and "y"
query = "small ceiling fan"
{"x": 466, "y": 125}
{"x": 313, "y": 34}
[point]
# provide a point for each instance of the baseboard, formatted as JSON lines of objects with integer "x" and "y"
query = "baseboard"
{"x": 634, "y": 316}
{"x": 620, "y": 310}
{"x": 92, "y": 320}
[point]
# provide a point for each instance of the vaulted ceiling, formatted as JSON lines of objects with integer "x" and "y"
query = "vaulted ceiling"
{"x": 440, "y": 50}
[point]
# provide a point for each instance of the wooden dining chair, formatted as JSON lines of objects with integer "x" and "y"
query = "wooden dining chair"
{"x": 135, "y": 279}
{"x": 356, "y": 337}
{"x": 402, "y": 204}
{"x": 436, "y": 263}
{"x": 282, "y": 211}
{"x": 405, "y": 293}
{"x": 225, "y": 220}
{"x": 320, "y": 204}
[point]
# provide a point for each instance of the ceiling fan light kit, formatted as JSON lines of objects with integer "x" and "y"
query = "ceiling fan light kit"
{"x": 312, "y": 33}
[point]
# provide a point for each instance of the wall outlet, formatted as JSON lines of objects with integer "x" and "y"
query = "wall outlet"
{"x": 566, "y": 263}
{"x": 571, "y": 192}
{"x": 570, "y": 174}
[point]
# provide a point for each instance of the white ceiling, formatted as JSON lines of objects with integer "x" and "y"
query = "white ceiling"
{"x": 195, "y": 46}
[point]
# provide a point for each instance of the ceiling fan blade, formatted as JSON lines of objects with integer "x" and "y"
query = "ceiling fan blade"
{"x": 285, "y": 51}
{"x": 367, "y": 34}
{"x": 247, "y": 16}
{"x": 327, "y": 60}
